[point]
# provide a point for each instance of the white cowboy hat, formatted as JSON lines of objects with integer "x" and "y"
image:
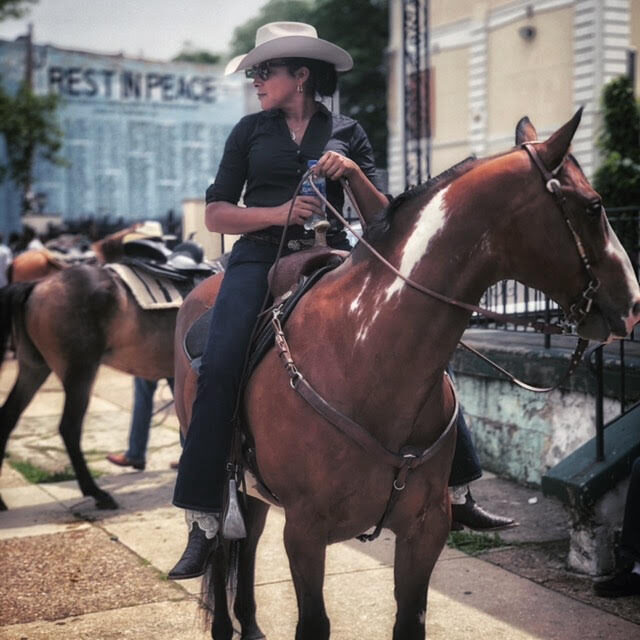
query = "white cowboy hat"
{"x": 290, "y": 40}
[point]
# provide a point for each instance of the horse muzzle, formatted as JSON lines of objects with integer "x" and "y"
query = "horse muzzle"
{"x": 604, "y": 326}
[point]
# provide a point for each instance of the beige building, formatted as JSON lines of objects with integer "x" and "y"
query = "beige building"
{"x": 494, "y": 61}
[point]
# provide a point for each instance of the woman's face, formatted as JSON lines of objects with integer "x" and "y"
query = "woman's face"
{"x": 278, "y": 89}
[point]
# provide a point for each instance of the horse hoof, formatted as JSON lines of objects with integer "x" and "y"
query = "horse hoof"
{"x": 106, "y": 502}
{"x": 3, "y": 506}
{"x": 255, "y": 635}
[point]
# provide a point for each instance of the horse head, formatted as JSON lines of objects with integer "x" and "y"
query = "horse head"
{"x": 592, "y": 278}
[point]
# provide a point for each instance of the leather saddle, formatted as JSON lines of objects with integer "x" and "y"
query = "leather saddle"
{"x": 289, "y": 279}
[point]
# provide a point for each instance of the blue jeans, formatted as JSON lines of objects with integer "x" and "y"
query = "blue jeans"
{"x": 141, "y": 417}
{"x": 202, "y": 468}
{"x": 465, "y": 467}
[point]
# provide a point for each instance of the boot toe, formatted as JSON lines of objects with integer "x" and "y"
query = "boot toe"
{"x": 193, "y": 562}
{"x": 472, "y": 516}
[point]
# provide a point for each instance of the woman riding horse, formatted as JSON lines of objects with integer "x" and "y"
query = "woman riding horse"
{"x": 268, "y": 152}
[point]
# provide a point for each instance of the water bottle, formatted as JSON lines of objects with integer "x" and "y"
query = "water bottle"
{"x": 307, "y": 190}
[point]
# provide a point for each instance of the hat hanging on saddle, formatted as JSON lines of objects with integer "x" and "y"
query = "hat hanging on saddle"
{"x": 290, "y": 40}
{"x": 146, "y": 229}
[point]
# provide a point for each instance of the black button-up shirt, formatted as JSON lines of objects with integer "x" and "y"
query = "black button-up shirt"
{"x": 260, "y": 152}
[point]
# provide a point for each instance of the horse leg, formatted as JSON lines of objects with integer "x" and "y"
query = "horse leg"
{"x": 415, "y": 558}
{"x": 29, "y": 380}
{"x": 245, "y": 603}
{"x": 306, "y": 552}
{"x": 77, "y": 387}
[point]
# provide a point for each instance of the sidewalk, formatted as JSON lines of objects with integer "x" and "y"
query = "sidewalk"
{"x": 70, "y": 571}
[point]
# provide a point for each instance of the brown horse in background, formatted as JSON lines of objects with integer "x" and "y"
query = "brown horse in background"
{"x": 70, "y": 323}
{"x": 34, "y": 264}
{"x": 376, "y": 349}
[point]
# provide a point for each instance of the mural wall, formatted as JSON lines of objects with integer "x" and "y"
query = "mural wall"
{"x": 139, "y": 136}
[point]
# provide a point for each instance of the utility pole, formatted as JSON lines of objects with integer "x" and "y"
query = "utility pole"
{"x": 28, "y": 67}
{"x": 28, "y": 198}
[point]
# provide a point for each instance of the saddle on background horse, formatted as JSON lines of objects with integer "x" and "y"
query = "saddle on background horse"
{"x": 159, "y": 278}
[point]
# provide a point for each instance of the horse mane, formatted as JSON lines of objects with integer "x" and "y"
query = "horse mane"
{"x": 382, "y": 222}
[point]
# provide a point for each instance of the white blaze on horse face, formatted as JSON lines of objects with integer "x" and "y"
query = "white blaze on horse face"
{"x": 431, "y": 221}
{"x": 617, "y": 252}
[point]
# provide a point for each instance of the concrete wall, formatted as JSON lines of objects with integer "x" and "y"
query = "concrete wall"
{"x": 520, "y": 434}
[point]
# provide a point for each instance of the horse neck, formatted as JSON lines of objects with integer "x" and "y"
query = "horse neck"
{"x": 446, "y": 244}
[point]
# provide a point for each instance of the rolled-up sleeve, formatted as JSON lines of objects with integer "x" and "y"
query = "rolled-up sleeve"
{"x": 232, "y": 171}
{"x": 362, "y": 155}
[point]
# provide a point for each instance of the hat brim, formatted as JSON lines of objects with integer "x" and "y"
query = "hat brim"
{"x": 293, "y": 47}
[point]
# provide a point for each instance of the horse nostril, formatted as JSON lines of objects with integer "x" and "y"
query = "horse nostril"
{"x": 636, "y": 309}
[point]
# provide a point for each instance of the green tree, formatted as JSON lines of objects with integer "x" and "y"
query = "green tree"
{"x": 199, "y": 56}
{"x": 244, "y": 36}
{"x": 618, "y": 177}
{"x": 14, "y": 8}
{"x": 362, "y": 28}
{"x": 28, "y": 123}
{"x": 359, "y": 26}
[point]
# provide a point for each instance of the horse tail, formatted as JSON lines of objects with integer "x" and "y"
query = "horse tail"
{"x": 219, "y": 585}
{"x": 12, "y": 300}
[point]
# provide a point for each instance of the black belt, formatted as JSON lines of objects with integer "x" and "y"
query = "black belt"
{"x": 295, "y": 244}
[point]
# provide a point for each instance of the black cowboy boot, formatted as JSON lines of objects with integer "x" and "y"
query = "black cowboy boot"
{"x": 472, "y": 516}
{"x": 193, "y": 562}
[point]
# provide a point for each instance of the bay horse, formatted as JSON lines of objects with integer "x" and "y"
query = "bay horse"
{"x": 376, "y": 349}
{"x": 34, "y": 264}
{"x": 70, "y": 323}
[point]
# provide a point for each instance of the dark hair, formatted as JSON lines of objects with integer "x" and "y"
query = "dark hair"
{"x": 323, "y": 78}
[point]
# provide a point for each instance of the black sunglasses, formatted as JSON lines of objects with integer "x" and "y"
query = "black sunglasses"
{"x": 264, "y": 69}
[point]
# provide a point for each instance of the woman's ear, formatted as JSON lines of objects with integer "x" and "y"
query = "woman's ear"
{"x": 302, "y": 74}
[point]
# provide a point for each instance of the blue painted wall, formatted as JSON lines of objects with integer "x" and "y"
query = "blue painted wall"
{"x": 139, "y": 136}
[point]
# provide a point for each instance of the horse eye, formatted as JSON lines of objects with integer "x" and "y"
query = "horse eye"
{"x": 594, "y": 209}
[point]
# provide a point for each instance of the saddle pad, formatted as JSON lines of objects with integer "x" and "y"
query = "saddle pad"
{"x": 151, "y": 292}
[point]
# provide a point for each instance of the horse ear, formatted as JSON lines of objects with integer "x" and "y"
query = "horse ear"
{"x": 556, "y": 147}
{"x": 525, "y": 131}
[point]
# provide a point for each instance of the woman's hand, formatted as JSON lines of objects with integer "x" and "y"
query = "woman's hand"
{"x": 335, "y": 166}
{"x": 303, "y": 208}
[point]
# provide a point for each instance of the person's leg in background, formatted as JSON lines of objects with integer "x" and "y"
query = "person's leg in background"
{"x": 136, "y": 454}
{"x": 627, "y": 581}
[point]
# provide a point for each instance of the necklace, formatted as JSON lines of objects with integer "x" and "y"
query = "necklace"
{"x": 295, "y": 132}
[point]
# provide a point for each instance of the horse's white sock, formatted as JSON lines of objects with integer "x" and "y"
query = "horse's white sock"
{"x": 636, "y": 568}
{"x": 208, "y": 522}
